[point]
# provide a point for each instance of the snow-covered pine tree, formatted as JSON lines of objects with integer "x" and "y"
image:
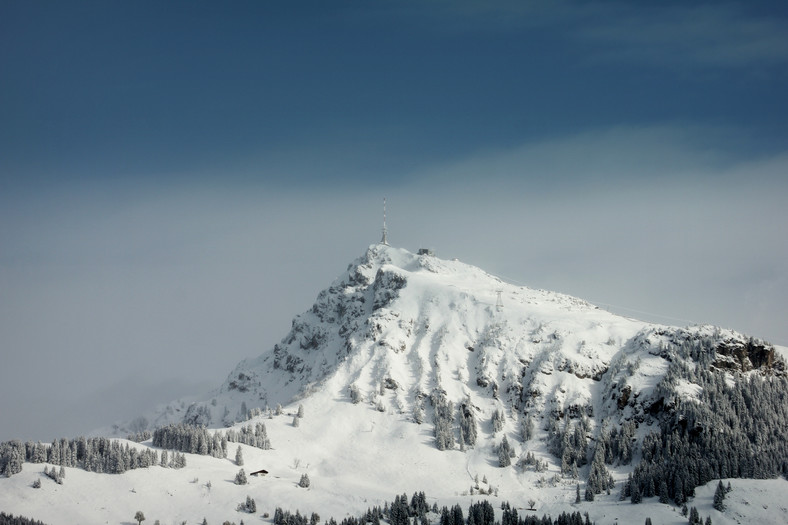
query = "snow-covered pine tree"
{"x": 304, "y": 481}
{"x": 694, "y": 517}
{"x": 504, "y": 453}
{"x": 251, "y": 505}
{"x": 527, "y": 428}
{"x": 498, "y": 419}
{"x": 240, "y": 478}
{"x": 418, "y": 414}
{"x": 355, "y": 394}
{"x": 589, "y": 493}
{"x": 719, "y": 497}
{"x": 443, "y": 417}
{"x": 467, "y": 421}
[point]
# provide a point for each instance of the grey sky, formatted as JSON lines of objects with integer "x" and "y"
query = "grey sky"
{"x": 191, "y": 181}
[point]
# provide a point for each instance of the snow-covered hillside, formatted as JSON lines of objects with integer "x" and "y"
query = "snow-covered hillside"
{"x": 397, "y": 326}
{"x": 379, "y": 364}
{"x": 386, "y": 456}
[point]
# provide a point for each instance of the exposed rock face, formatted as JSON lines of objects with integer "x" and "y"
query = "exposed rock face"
{"x": 744, "y": 356}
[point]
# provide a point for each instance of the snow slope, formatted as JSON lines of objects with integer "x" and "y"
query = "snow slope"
{"x": 397, "y": 328}
{"x": 383, "y": 459}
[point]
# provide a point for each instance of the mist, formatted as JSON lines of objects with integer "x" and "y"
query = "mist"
{"x": 117, "y": 297}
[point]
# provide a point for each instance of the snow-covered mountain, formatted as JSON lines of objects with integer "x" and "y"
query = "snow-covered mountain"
{"x": 397, "y": 327}
{"x": 415, "y": 373}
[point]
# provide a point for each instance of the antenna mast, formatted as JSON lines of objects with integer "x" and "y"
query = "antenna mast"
{"x": 384, "y": 240}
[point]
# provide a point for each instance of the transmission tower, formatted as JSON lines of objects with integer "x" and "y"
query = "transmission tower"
{"x": 384, "y": 240}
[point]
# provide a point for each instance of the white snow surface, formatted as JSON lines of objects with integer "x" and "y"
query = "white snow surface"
{"x": 393, "y": 463}
{"x": 399, "y": 326}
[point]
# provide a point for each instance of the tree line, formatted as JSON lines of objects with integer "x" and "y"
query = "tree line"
{"x": 198, "y": 440}
{"x": 734, "y": 430}
{"x": 410, "y": 511}
{"x": 96, "y": 454}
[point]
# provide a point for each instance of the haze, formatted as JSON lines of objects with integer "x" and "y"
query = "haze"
{"x": 178, "y": 180}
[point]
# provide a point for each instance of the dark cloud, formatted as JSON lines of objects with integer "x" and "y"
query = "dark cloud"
{"x": 721, "y": 34}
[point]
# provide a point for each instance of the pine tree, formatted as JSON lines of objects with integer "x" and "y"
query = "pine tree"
{"x": 239, "y": 457}
{"x": 637, "y": 496}
{"x": 719, "y": 497}
{"x": 663, "y": 491}
{"x": 527, "y": 428}
{"x": 589, "y": 493}
{"x": 694, "y": 516}
{"x": 240, "y": 478}
{"x": 355, "y": 394}
{"x": 304, "y": 481}
{"x": 139, "y": 517}
{"x": 13, "y": 455}
{"x": 418, "y": 414}
{"x": 251, "y": 505}
{"x": 504, "y": 453}
{"x": 300, "y": 411}
{"x": 498, "y": 419}
{"x": 467, "y": 421}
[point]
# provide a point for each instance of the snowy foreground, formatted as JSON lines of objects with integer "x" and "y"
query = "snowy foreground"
{"x": 385, "y": 449}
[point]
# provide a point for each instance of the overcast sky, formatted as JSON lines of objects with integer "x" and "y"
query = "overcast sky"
{"x": 179, "y": 179}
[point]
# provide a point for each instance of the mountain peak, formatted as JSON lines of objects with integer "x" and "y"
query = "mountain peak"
{"x": 400, "y": 327}
{"x": 423, "y": 324}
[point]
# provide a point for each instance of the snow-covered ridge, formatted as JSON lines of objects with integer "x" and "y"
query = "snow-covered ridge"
{"x": 397, "y": 326}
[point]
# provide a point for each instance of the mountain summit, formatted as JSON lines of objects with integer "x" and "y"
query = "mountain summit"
{"x": 397, "y": 327}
